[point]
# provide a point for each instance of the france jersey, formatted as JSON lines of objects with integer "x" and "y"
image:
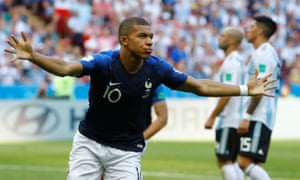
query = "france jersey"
{"x": 119, "y": 102}
{"x": 266, "y": 60}
{"x": 232, "y": 71}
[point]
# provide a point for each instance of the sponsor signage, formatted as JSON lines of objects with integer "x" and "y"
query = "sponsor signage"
{"x": 58, "y": 119}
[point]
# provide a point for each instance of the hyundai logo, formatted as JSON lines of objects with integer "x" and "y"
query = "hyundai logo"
{"x": 31, "y": 119}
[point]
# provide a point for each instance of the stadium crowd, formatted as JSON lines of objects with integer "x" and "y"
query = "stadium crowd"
{"x": 186, "y": 32}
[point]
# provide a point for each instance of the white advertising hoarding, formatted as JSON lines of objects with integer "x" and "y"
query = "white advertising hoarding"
{"x": 40, "y": 119}
{"x": 59, "y": 119}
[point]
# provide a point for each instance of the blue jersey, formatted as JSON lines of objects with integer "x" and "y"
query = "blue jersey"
{"x": 119, "y": 102}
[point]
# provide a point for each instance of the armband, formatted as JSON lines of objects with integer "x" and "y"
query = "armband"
{"x": 244, "y": 90}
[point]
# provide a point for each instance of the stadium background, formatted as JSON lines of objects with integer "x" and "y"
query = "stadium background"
{"x": 185, "y": 35}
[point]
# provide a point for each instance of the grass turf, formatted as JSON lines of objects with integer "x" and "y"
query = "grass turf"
{"x": 162, "y": 160}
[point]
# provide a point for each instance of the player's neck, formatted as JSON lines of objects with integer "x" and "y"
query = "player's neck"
{"x": 258, "y": 42}
{"x": 229, "y": 50}
{"x": 131, "y": 64}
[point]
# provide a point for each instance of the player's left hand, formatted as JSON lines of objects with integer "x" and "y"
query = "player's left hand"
{"x": 260, "y": 86}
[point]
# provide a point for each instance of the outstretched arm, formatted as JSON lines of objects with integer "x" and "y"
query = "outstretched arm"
{"x": 204, "y": 87}
{"x": 22, "y": 49}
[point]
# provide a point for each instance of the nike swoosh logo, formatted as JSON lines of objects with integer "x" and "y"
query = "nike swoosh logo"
{"x": 114, "y": 84}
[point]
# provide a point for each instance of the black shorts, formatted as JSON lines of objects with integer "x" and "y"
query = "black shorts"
{"x": 227, "y": 144}
{"x": 255, "y": 144}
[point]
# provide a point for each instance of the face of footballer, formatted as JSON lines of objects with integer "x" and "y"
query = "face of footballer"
{"x": 251, "y": 31}
{"x": 139, "y": 41}
{"x": 223, "y": 40}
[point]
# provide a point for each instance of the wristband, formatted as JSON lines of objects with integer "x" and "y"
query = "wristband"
{"x": 246, "y": 116}
{"x": 244, "y": 90}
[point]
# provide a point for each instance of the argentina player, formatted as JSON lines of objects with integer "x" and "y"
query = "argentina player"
{"x": 229, "y": 110}
{"x": 259, "y": 119}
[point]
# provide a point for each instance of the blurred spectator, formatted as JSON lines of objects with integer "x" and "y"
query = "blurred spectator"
{"x": 177, "y": 54}
{"x": 19, "y": 20}
{"x": 288, "y": 52}
{"x": 152, "y": 9}
{"x": 9, "y": 73}
{"x": 125, "y": 8}
{"x": 76, "y": 24}
{"x": 210, "y": 62}
{"x": 61, "y": 15}
{"x": 189, "y": 26}
{"x": 43, "y": 9}
{"x": 294, "y": 77}
{"x": 106, "y": 40}
{"x": 194, "y": 65}
{"x": 81, "y": 14}
{"x": 230, "y": 17}
{"x": 182, "y": 11}
{"x": 168, "y": 7}
{"x": 44, "y": 88}
{"x": 161, "y": 42}
{"x": 63, "y": 87}
{"x": 102, "y": 8}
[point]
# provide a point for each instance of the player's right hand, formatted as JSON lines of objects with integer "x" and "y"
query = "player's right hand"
{"x": 260, "y": 86}
{"x": 21, "y": 48}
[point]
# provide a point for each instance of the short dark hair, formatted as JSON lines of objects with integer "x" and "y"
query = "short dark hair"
{"x": 127, "y": 24}
{"x": 268, "y": 24}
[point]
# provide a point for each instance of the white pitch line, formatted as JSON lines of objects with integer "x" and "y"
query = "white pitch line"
{"x": 145, "y": 173}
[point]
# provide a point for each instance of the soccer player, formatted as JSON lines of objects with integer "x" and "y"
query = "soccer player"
{"x": 229, "y": 109}
{"x": 110, "y": 138}
{"x": 258, "y": 121}
{"x": 161, "y": 111}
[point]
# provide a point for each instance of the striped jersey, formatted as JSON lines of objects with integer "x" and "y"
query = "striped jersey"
{"x": 266, "y": 60}
{"x": 233, "y": 71}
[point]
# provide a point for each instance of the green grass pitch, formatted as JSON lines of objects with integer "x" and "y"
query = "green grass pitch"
{"x": 162, "y": 160}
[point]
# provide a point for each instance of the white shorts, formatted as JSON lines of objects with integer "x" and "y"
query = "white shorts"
{"x": 91, "y": 160}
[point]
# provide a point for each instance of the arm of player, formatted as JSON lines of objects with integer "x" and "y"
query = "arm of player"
{"x": 245, "y": 123}
{"x": 22, "y": 49}
{"x": 217, "y": 110}
{"x": 161, "y": 112}
{"x": 205, "y": 87}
